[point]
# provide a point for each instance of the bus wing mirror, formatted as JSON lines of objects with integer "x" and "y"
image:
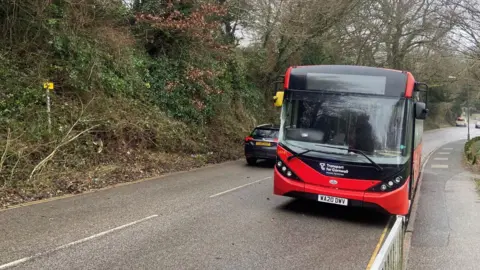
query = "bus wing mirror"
{"x": 278, "y": 99}
{"x": 420, "y": 87}
{"x": 423, "y": 88}
{"x": 421, "y": 110}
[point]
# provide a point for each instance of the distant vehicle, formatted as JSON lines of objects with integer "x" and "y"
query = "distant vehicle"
{"x": 262, "y": 143}
{"x": 350, "y": 135}
{"x": 461, "y": 122}
{"x": 477, "y": 124}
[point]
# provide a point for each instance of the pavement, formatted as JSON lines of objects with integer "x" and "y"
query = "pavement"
{"x": 220, "y": 217}
{"x": 446, "y": 232}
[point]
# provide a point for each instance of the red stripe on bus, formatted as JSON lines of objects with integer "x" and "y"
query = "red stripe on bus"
{"x": 410, "y": 85}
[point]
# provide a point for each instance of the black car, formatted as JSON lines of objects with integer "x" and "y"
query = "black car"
{"x": 262, "y": 143}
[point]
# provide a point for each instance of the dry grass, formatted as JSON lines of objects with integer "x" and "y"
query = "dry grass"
{"x": 114, "y": 141}
{"x": 477, "y": 183}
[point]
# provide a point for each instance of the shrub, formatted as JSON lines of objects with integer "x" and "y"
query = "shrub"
{"x": 471, "y": 149}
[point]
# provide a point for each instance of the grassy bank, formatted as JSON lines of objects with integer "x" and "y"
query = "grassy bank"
{"x": 472, "y": 157}
{"x": 113, "y": 140}
{"x": 135, "y": 96}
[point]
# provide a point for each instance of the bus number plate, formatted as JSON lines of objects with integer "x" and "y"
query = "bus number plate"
{"x": 332, "y": 200}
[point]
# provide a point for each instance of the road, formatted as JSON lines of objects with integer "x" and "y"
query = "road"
{"x": 220, "y": 217}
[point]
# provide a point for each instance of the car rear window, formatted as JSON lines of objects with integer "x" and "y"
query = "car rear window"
{"x": 265, "y": 133}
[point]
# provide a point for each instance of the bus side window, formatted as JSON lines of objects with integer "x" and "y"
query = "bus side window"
{"x": 418, "y": 131}
{"x": 418, "y": 126}
{"x": 409, "y": 135}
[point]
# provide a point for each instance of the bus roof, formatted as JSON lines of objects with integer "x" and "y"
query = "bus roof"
{"x": 348, "y": 78}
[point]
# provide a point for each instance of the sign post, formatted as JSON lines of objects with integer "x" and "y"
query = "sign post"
{"x": 48, "y": 86}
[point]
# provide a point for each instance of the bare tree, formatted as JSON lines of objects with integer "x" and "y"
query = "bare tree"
{"x": 237, "y": 17}
{"x": 384, "y": 32}
{"x": 286, "y": 26}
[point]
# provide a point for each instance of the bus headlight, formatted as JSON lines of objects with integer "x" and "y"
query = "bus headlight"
{"x": 285, "y": 170}
{"x": 390, "y": 183}
{"x": 398, "y": 179}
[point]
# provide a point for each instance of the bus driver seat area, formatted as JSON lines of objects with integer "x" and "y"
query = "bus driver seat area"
{"x": 364, "y": 138}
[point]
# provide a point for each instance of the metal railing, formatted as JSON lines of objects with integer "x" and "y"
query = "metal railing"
{"x": 390, "y": 256}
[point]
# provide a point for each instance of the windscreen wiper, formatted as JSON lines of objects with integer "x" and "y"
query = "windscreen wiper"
{"x": 298, "y": 154}
{"x": 306, "y": 151}
{"x": 378, "y": 167}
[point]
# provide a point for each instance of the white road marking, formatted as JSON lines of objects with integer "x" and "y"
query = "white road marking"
{"x": 447, "y": 148}
{"x": 441, "y": 158}
{"x": 439, "y": 166}
{"x": 242, "y": 186}
{"x": 444, "y": 153}
{"x": 22, "y": 260}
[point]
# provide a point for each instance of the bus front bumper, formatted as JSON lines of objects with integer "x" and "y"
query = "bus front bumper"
{"x": 395, "y": 202}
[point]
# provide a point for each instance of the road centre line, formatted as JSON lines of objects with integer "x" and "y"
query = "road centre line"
{"x": 441, "y": 158}
{"x": 26, "y": 259}
{"x": 444, "y": 153}
{"x": 242, "y": 186}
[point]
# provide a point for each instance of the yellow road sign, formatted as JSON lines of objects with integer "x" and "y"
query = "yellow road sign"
{"x": 48, "y": 85}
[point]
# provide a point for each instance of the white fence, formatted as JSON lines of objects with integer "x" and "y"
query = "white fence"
{"x": 390, "y": 256}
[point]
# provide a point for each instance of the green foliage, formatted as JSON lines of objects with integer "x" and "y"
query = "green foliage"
{"x": 16, "y": 93}
{"x": 472, "y": 150}
{"x": 82, "y": 64}
{"x": 148, "y": 6}
{"x": 315, "y": 54}
{"x": 181, "y": 94}
{"x": 197, "y": 102}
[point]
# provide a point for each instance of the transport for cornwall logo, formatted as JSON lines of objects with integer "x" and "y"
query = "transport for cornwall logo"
{"x": 322, "y": 166}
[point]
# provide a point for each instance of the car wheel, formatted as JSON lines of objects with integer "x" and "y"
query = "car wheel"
{"x": 251, "y": 161}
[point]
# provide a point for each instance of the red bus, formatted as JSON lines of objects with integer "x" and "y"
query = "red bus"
{"x": 350, "y": 135}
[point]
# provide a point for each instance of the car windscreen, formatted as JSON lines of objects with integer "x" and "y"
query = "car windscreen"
{"x": 265, "y": 133}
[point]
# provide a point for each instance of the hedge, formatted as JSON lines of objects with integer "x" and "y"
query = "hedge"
{"x": 471, "y": 157}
